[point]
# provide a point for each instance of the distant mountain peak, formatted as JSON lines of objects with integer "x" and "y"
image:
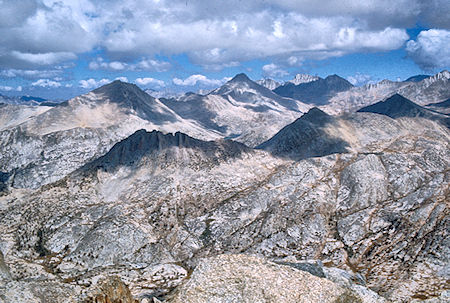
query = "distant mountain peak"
{"x": 394, "y": 106}
{"x": 240, "y": 78}
{"x": 129, "y": 96}
{"x": 316, "y": 92}
{"x": 315, "y": 112}
{"x": 303, "y": 78}
{"x": 398, "y": 106}
{"x": 417, "y": 78}
{"x": 443, "y": 75}
{"x": 336, "y": 78}
{"x": 117, "y": 85}
{"x": 306, "y": 137}
{"x": 118, "y": 91}
{"x": 269, "y": 83}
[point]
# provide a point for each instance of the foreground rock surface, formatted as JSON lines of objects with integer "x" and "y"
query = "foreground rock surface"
{"x": 241, "y": 278}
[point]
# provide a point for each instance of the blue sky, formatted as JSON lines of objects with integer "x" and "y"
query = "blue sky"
{"x": 60, "y": 49}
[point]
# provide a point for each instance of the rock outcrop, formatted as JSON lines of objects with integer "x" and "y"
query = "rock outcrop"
{"x": 241, "y": 278}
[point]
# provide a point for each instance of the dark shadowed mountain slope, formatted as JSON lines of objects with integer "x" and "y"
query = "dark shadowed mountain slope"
{"x": 315, "y": 92}
{"x": 398, "y": 106}
{"x": 194, "y": 106}
{"x": 417, "y": 78}
{"x": 306, "y": 137}
{"x": 443, "y": 104}
{"x": 160, "y": 149}
{"x": 441, "y": 107}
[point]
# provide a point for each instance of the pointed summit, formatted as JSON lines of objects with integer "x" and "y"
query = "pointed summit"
{"x": 396, "y": 106}
{"x": 315, "y": 115}
{"x": 308, "y": 136}
{"x": 118, "y": 90}
{"x": 131, "y": 97}
{"x": 338, "y": 82}
{"x": 241, "y": 88}
{"x": 240, "y": 78}
{"x": 241, "y": 84}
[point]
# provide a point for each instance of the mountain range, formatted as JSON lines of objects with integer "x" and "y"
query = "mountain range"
{"x": 429, "y": 90}
{"x": 117, "y": 195}
{"x": 241, "y": 110}
{"x": 398, "y": 106}
{"x": 316, "y": 92}
{"x": 28, "y": 100}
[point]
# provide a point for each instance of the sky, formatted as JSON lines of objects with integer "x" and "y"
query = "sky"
{"x": 60, "y": 49}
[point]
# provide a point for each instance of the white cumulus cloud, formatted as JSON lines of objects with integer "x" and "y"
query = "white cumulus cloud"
{"x": 148, "y": 65}
{"x": 44, "y": 58}
{"x": 150, "y": 81}
{"x": 123, "y": 79}
{"x": 214, "y": 34}
{"x": 92, "y": 83}
{"x": 46, "y": 83}
{"x": 10, "y": 88}
{"x": 431, "y": 49}
{"x": 359, "y": 79}
{"x": 273, "y": 70}
{"x": 199, "y": 79}
{"x": 30, "y": 74}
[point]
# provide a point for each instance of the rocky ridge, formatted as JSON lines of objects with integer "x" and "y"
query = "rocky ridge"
{"x": 303, "y": 78}
{"x": 316, "y": 92}
{"x": 269, "y": 83}
{"x": 440, "y": 107}
{"x": 298, "y": 79}
{"x": 34, "y": 140}
{"x": 433, "y": 89}
{"x": 398, "y": 106}
{"x": 240, "y": 109}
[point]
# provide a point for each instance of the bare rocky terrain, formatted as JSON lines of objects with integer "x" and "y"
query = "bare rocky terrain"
{"x": 433, "y": 89}
{"x": 115, "y": 197}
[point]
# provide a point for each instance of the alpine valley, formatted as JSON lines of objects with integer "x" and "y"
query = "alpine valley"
{"x": 313, "y": 190}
